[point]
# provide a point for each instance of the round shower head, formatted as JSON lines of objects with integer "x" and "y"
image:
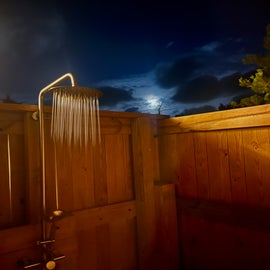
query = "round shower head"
{"x": 75, "y": 115}
{"x": 77, "y": 90}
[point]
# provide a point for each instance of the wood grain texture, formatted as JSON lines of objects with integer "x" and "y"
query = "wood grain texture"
{"x": 227, "y": 204}
{"x": 145, "y": 174}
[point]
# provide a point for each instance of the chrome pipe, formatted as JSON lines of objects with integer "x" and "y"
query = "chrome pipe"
{"x": 42, "y": 144}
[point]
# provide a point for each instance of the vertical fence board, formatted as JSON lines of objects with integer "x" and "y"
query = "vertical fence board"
{"x": 87, "y": 257}
{"x": 5, "y": 210}
{"x": 194, "y": 233}
{"x": 168, "y": 160}
{"x": 100, "y": 175}
{"x": 237, "y": 166}
{"x": 64, "y": 175}
{"x": 18, "y": 182}
{"x": 166, "y": 227}
{"x": 118, "y": 165}
{"x": 83, "y": 178}
{"x": 218, "y": 167}
{"x": 256, "y": 150}
{"x": 145, "y": 173}
{"x": 122, "y": 246}
{"x": 202, "y": 174}
{"x": 187, "y": 184}
{"x": 103, "y": 246}
{"x": 32, "y": 167}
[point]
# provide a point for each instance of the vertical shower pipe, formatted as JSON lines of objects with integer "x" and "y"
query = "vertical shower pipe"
{"x": 42, "y": 147}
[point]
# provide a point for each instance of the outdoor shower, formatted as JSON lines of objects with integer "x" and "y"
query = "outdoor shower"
{"x": 75, "y": 121}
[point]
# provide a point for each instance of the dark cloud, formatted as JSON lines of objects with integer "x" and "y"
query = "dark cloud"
{"x": 203, "y": 88}
{"x": 196, "y": 110}
{"x": 206, "y": 88}
{"x": 229, "y": 85}
{"x": 168, "y": 76}
{"x": 112, "y": 96}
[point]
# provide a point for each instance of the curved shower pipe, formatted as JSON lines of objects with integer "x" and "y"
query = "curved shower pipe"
{"x": 42, "y": 144}
{"x": 46, "y": 262}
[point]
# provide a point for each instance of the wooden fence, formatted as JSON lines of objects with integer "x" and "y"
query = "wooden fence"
{"x": 112, "y": 191}
{"x": 220, "y": 164}
{"x": 183, "y": 193}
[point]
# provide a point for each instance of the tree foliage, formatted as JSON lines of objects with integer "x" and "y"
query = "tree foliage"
{"x": 259, "y": 82}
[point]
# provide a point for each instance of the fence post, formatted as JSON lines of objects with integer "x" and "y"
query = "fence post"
{"x": 145, "y": 166}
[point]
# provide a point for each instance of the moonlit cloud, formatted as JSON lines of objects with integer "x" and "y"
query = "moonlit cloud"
{"x": 145, "y": 94}
{"x": 193, "y": 82}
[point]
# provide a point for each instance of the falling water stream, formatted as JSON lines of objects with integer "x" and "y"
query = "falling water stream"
{"x": 75, "y": 117}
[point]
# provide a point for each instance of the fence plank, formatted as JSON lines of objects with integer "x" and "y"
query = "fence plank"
{"x": 18, "y": 180}
{"x": 145, "y": 174}
{"x": 6, "y": 207}
{"x": 256, "y": 151}
{"x": 118, "y": 168}
{"x": 166, "y": 227}
{"x": 186, "y": 184}
{"x": 237, "y": 166}
{"x": 202, "y": 173}
{"x": 32, "y": 167}
{"x": 218, "y": 166}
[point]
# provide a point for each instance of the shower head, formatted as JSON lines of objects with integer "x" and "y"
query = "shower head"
{"x": 76, "y": 90}
{"x": 75, "y": 115}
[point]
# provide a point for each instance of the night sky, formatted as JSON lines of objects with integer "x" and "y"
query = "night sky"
{"x": 176, "y": 57}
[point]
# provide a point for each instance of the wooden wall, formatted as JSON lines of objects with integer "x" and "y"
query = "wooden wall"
{"x": 220, "y": 164}
{"x": 117, "y": 202}
{"x": 122, "y": 194}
